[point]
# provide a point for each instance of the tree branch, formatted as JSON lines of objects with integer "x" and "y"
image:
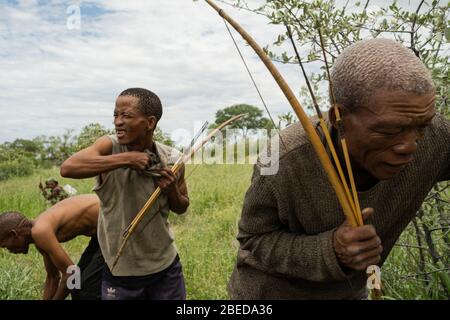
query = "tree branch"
{"x": 414, "y": 24}
{"x": 419, "y": 274}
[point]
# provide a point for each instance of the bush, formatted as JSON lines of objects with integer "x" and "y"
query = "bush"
{"x": 16, "y": 168}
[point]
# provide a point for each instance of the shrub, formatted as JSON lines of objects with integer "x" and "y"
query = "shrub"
{"x": 16, "y": 168}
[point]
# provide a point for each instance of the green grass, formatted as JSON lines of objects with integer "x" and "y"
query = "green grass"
{"x": 205, "y": 234}
{"x": 23, "y": 276}
{"x": 205, "y": 237}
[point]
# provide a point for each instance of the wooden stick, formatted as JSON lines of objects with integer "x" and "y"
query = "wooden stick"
{"x": 341, "y": 132}
{"x": 323, "y": 125}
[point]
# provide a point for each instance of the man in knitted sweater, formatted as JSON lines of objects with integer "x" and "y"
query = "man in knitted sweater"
{"x": 294, "y": 240}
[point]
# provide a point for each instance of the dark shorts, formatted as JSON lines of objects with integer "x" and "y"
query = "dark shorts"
{"x": 91, "y": 265}
{"x": 164, "y": 285}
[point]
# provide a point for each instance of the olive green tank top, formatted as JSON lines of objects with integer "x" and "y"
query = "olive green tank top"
{"x": 123, "y": 192}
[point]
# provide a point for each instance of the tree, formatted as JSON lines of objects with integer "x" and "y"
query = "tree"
{"x": 423, "y": 28}
{"x": 286, "y": 118}
{"x": 58, "y": 148}
{"x": 90, "y": 133}
{"x": 18, "y": 158}
{"x": 47, "y": 151}
{"x": 252, "y": 121}
{"x": 24, "y": 148}
{"x": 162, "y": 137}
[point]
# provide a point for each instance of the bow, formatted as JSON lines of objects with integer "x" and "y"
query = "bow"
{"x": 352, "y": 196}
{"x": 348, "y": 199}
{"x": 319, "y": 148}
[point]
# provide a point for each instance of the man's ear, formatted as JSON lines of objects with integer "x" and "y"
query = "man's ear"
{"x": 14, "y": 233}
{"x": 151, "y": 121}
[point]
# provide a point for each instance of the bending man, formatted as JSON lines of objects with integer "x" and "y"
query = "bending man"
{"x": 294, "y": 242}
{"x": 63, "y": 222}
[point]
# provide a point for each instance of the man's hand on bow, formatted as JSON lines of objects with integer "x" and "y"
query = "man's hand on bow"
{"x": 357, "y": 247}
{"x": 168, "y": 181}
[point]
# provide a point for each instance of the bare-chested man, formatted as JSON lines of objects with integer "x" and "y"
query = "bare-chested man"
{"x": 62, "y": 222}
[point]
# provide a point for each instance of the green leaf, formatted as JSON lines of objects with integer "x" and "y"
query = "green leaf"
{"x": 447, "y": 34}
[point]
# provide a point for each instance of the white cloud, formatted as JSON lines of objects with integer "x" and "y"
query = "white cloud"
{"x": 54, "y": 78}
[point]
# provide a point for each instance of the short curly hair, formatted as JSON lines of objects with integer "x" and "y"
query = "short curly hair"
{"x": 369, "y": 65}
{"x": 149, "y": 103}
{"x": 12, "y": 220}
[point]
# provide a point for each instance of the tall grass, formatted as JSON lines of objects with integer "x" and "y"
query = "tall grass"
{"x": 204, "y": 234}
{"x": 205, "y": 237}
{"x": 23, "y": 276}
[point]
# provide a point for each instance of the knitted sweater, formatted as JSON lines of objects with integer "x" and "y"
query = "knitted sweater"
{"x": 287, "y": 222}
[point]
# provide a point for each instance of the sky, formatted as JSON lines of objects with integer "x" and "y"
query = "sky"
{"x": 57, "y": 74}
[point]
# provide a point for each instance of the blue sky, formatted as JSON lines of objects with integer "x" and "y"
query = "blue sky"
{"x": 55, "y": 78}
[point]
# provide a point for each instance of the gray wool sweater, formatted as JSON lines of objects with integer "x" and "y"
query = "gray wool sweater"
{"x": 287, "y": 222}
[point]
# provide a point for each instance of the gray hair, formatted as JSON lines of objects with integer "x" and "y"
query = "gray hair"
{"x": 369, "y": 65}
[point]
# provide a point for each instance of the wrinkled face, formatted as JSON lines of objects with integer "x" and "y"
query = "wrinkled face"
{"x": 131, "y": 125}
{"x": 15, "y": 243}
{"x": 382, "y": 136}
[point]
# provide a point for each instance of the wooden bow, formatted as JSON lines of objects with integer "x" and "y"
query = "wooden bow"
{"x": 316, "y": 142}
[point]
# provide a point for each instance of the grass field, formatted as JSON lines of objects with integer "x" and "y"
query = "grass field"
{"x": 205, "y": 236}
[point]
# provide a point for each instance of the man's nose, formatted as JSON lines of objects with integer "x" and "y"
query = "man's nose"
{"x": 408, "y": 144}
{"x": 118, "y": 121}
